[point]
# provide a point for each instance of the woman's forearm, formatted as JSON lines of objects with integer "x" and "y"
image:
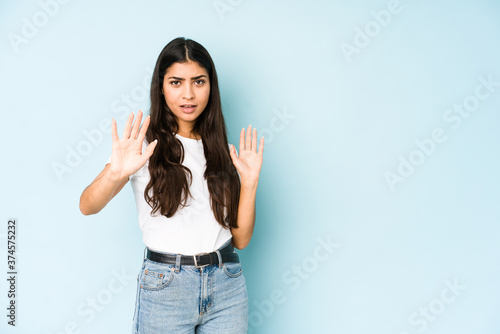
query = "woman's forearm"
{"x": 95, "y": 197}
{"x": 246, "y": 215}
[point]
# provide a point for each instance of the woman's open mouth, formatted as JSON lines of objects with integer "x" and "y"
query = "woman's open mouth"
{"x": 188, "y": 108}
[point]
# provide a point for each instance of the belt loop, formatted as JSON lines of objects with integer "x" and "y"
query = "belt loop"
{"x": 178, "y": 263}
{"x": 220, "y": 258}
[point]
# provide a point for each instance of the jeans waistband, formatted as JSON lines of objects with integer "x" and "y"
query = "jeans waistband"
{"x": 229, "y": 241}
{"x": 225, "y": 253}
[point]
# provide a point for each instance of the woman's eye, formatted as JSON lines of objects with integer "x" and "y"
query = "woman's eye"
{"x": 174, "y": 83}
{"x": 200, "y": 82}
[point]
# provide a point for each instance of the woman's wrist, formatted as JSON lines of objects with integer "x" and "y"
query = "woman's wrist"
{"x": 117, "y": 176}
{"x": 249, "y": 183}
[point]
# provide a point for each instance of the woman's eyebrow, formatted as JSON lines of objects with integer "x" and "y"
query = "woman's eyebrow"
{"x": 193, "y": 78}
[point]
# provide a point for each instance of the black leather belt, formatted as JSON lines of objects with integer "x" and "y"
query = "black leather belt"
{"x": 198, "y": 260}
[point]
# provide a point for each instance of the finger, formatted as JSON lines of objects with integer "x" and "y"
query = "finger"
{"x": 144, "y": 128}
{"x": 234, "y": 157}
{"x": 242, "y": 140}
{"x": 137, "y": 123}
{"x": 148, "y": 152}
{"x": 126, "y": 130}
{"x": 114, "y": 132}
{"x": 248, "y": 143}
{"x": 254, "y": 140}
{"x": 233, "y": 153}
{"x": 261, "y": 147}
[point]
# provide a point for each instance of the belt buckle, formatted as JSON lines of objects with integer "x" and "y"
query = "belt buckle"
{"x": 196, "y": 262}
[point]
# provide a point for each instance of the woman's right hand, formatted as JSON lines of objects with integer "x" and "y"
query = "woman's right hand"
{"x": 127, "y": 156}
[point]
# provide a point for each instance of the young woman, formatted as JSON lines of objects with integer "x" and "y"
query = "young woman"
{"x": 195, "y": 198}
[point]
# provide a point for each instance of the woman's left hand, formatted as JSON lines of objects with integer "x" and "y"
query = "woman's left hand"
{"x": 249, "y": 160}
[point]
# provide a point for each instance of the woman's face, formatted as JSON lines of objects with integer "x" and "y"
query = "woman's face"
{"x": 186, "y": 87}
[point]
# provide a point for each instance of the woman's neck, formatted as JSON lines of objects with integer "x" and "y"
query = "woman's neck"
{"x": 190, "y": 135}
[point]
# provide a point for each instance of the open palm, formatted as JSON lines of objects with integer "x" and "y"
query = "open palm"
{"x": 249, "y": 161}
{"x": 127, "y": 156}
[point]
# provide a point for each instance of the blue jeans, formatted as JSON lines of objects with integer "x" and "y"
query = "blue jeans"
{"x": 185, "y": 299}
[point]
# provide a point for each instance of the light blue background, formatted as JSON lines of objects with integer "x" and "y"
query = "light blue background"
{"x": 323, "y": 176}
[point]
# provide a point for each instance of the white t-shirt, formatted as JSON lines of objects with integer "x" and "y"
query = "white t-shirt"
{"x": 192, "y": 229}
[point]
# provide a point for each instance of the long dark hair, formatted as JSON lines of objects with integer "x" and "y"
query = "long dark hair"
{"x": 169, "y": 178}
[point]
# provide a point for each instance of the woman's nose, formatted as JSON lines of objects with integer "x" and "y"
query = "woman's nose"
{"x": 188, "y": 92}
